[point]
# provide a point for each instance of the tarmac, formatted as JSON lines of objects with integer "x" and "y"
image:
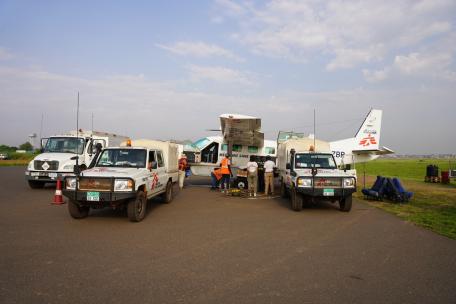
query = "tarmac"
{"x": 205, "y": 247}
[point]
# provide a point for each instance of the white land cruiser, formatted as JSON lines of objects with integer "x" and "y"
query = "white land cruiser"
{"x": 125, "y": 176}
{"x": 309, "y": 176}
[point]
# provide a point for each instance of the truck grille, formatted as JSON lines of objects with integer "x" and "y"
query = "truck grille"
{"x": 324, "y": 182}
{"x": 53, "y": 165}
{"x": 95, "y": 184}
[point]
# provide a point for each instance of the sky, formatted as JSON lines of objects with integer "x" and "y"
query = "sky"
{"x": 168, "y": 69}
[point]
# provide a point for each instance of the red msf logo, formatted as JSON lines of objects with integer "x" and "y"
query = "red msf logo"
{"x": 154, "y": 181}
{"x": 366, "y": 141}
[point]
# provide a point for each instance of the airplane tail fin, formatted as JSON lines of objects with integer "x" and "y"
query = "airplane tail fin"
{"x": 368, "y": 135}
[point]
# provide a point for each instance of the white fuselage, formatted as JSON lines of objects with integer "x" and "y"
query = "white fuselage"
{"x": 213, "y": 149}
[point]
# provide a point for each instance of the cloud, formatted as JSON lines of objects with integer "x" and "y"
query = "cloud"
{"x": 199, "y": 49}
{"x": 347, "y": 33}
{"x": 416, "y": 63}
{"x": 5, "y": 54}
{"x": 430, "y": 65}
{"x": 376, "y": 76}
{"x": 139, "y": 107}
{"x": 220, "y": 74}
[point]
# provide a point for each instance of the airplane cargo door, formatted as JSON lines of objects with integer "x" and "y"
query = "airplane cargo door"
{"x": 210, "y": 153}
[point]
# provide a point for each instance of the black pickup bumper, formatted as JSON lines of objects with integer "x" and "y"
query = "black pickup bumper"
{"x": 320, "y": 192}
{"x": 106, "y": 198}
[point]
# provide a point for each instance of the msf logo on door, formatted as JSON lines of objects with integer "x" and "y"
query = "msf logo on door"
{"x": 367, "y": 141}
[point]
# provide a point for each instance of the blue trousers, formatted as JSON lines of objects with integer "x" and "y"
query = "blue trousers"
{"x": 225, "y": 181}
{"x": 214, "y": 181}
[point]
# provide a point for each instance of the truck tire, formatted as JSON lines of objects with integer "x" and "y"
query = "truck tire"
{"x": 296, "y": 200}
{"x": 76, "y": 211}
{"x": 241, "y": 183}
{"x": 345, "y": 204}
{"x": 168, "y": 195}
{"x": 283, "y": 190}
{"x": 36, "y": 184}
{"x": 136, "y": 208}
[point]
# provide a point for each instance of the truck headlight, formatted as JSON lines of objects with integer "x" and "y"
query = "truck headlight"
{"x": 123, "y": 185}
{"x": 349, "y": 182}
{"x": 304, "y": 182}
{"x": 68, "y": 167}
{"x": 30, "y": 165}
{"x": 70, "y": 183}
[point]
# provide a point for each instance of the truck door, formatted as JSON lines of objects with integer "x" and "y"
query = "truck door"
{"x": 153, "y": 178}
{"x": 161, "y": 170}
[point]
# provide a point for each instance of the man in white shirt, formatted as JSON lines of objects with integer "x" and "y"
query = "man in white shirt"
{"x": 252, "y": 176}
{"x": 269, "y": 175}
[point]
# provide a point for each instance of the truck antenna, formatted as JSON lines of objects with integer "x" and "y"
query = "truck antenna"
{"x": 92, "y": 123}
{"x": 315, "y": 132}
{"x": 77, "y": 139}
{"x": 41, "y": 125}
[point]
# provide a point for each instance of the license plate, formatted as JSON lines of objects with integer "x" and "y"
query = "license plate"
{"x": 328, "y": 192}
{"x": 35, "y": 173}
{"x": 52, "y": 175}
{"x": 93, "y": 196}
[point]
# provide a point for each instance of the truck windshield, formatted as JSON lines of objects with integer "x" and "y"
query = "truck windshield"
{"x": 124, "y": 158}
{"x": 65, "y": 145}
{"x": 310, "y": 160}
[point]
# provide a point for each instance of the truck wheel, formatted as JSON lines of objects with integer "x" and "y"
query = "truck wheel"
{"x": 36, "y": 184}
{"x": 136, "y": 208}
{"x": 345, "y": 204}
{"x": 168, "y": 195}
{"x": 283, "y": 190}
{"x": 296, "y": 200}
{"x": 76, "y": 211}
{"x": 241, "y": 184}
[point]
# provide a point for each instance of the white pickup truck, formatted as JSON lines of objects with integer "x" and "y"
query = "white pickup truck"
{"x": 125, "y": 176}
{"x": 60, "y": 152}
{"x": 309, "y": 174}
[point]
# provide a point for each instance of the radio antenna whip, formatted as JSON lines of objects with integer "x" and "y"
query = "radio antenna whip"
{"x": 315, "y": 132}
{"x": 77, "y": 139}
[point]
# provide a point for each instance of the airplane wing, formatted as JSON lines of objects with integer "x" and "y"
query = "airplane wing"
{"x": 242, "y": 129}
{"x": 382, "y": 151}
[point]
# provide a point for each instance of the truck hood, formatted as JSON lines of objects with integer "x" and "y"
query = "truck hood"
{"x": 325, "y": 173}
{"x": 113, "y": 172}
{"x": 60, "y": 157}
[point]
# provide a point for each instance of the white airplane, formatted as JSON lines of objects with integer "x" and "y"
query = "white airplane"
{"x": 241, "y": 135}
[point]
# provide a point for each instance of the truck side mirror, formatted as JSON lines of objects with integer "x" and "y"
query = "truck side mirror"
{"x": 288, "y": 166}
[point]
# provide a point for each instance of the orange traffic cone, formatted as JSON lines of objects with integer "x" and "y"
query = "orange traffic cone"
{"x": 58, "y": 198}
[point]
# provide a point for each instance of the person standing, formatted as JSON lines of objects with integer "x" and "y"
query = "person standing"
{"x": 182, "y": 167}
{"x": 252, "y": 176}
{"x": 225, "y": 169}
{"x": 269, "y": 175}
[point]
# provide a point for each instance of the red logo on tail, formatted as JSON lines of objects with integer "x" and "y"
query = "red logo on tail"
{"x": 367, "y": 141}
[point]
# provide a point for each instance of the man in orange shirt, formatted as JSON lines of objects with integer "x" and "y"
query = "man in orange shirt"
{"x": 225, "y": 169}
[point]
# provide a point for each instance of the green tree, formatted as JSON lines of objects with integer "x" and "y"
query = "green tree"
{"x": 26, "y": 146}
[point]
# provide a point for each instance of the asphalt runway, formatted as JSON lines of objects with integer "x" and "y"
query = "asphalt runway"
{"x": 207, "y": 248}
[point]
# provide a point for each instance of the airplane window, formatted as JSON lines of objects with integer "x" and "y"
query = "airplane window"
{"x": 269, "y": 150}
{"x": 253, "y": 149}
{"x": 203, "y": 142}
{"x": 237, "y": 148}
